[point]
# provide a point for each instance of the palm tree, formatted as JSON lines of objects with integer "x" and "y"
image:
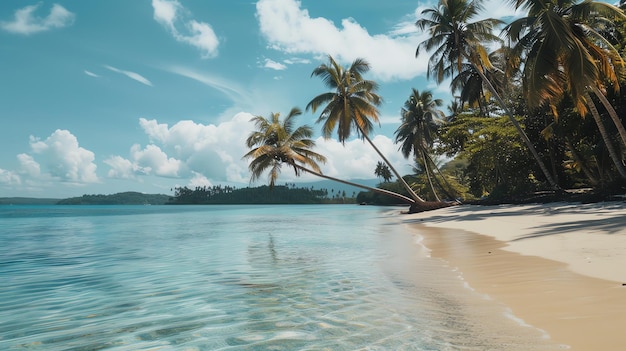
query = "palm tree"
{"x": 564, "y": 54}
{"x": 352, "y": 105}
{"x": 420, "y": 117}
{"x": 382, "y": 171}
{"x": 455, "y": 40}
{"x": 276, "y": 143}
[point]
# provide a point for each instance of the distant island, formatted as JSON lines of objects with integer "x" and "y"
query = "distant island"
{"x": 214, "y": 195}
{"x": 125, "y": 198}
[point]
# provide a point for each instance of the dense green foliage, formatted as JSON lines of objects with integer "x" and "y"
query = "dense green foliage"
{"x": 27, "y": 201}
{"x": 126, "y": 198}
{"x": 539, "y": 114}
{"x": 260, "y": 195}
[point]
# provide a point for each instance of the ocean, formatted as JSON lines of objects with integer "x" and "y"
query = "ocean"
{"x": 305, "y": 277}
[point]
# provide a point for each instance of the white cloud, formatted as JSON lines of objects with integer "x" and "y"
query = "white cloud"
{"x": 91, "y": 74}
{"x": 29, "y": 166}
{"x": 9, "y": 177}
{"x": 297, "y": 60}
{"x": 121, "y": 168}
{"x": 207, "y": 154}
{"x": 357, "y": 159}
{"x": 290, "y": 29}
{"x": 61, "y": 157}
{"x": 152, "y": 160}
{"x": 199, "y": 34}
{"x": 25, "y": 22}
{"x": 199, "y": 180}
{"x": 132, "y": 75}
{"x": 271, "y": 64}
{"x": 194, "y": 149}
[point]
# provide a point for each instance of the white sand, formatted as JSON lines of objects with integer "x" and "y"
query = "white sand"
{"x": 589, "y": 238}
{"x": 559, "y": 267}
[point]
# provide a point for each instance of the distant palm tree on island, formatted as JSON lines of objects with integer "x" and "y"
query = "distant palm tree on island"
{"x": 278, "y": 142}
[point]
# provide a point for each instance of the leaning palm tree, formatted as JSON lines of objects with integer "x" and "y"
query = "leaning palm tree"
{"x": 566, "y": 55}
{"x": 276, "y": 143}
{"x": 454, "y": 40}
{"x": 420, "y": 121}
{"x": 351, "y": 106}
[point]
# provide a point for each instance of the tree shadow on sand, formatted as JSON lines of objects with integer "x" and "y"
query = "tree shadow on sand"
{"x": 608, "y": 225}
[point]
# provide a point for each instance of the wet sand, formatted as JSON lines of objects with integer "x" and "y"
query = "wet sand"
{"x": 558, "y": 267}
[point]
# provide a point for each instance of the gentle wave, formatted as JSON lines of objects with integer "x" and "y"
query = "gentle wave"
{"x": 226, "y": 278}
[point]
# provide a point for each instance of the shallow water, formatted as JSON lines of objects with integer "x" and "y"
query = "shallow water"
{"x": 324, "y": 277}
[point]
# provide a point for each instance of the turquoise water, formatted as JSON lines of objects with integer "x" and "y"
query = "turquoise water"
{"x": 327, "y": 277}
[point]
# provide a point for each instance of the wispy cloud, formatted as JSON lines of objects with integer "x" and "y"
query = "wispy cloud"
{"x": 26, "y": 22}
{"x": 233, "y": 91}
{"x": 91, "y": 74}
{"x": 132, "y": 75}
{"x": 198, "y": 34}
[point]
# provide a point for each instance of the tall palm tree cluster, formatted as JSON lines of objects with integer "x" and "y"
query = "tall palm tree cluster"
{"x": 549, "y": 67}
{"x": 519, "y": 98}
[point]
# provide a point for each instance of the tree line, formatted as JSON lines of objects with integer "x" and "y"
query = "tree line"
{"x": 277, "y": 194}
{"x": 537, "y": 107}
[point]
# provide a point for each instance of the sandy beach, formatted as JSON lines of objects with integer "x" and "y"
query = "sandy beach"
{"x": 559, "y": 267}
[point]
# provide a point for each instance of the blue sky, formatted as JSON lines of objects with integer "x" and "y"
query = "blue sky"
{"x": 99, "y": 97}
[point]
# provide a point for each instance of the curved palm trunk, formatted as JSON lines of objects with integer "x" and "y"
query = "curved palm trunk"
{"x": 414, "y": 196}
{"x": 607, "y": 105}
{"x": 430, "y": 181}
{"x": 443, "y": 177}
{"x": 519, "y": 129}
{"x": 592, "y": 179}
{"x": 377, "y": 190}
{"x": 605, "y": 137}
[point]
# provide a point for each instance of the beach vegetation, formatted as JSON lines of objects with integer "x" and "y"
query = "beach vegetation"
{"x": 351, "y": 106}
{"x": 276, "y": 143}
{"x": 456, "y": 40}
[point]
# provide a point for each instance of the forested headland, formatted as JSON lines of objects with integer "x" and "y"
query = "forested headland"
{"x": 279, "y": 194}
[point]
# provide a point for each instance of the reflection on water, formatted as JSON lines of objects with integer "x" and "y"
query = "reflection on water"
{"x": 228, "y": 278}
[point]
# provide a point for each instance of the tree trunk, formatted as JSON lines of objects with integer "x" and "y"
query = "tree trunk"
{"x": 377, "y": 190}
{"x": 605, "y": 136}
{"x": 592, "y": 179}
{"x": 607, "y": 105}
{"x": 443, "y": 177}
{"x": 430, "y": 181}
{"x": 414, "y": 196}
{"x": 519, "y": 129}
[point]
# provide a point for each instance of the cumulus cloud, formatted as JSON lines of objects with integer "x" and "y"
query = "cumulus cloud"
{"x": 26, "y": 22}
{"x": 9, "y": 177}
{"x": 207, "y": 154}
{"x": 271, "y": 64}
{"x": 121, "y": 168}
{"x": 290, "y": 29}
{"x": 197, "y": 34}
{"x": 132, "y": 75}
{"x": 188, "y": 149}
{"x": 152, "y": 160}
{"x": 61, "y": 157}
{"x": 29, "y": 166}
{"x": 357, "y": 159}
{"x": 199, "y": 180}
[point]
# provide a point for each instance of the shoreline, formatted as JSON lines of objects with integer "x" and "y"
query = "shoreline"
{"x": 559, "y": 267}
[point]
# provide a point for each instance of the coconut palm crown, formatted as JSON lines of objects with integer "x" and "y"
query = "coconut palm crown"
{"x": 277, "y": 142}
{"x": 563, "y": 50}
{"x": 351, "y": 105}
